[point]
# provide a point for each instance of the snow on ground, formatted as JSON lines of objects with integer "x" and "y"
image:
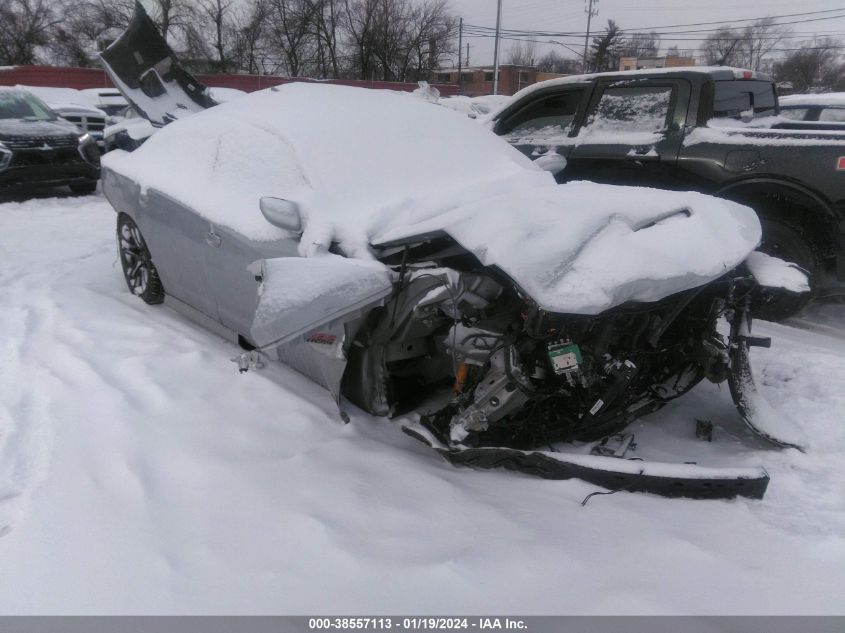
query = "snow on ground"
{"x": 140, "y": 473}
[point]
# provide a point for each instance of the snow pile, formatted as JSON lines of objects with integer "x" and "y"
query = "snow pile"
{"x": 370, "y": 166}
{"x": 758, "y": 132}
{"x": 475, "y": 107}
{"x": 139, "y": 473}
{"x": 823, "y": 99}
{"x": 583, "y": 247}
{"x": 222, "y": 95}
{"x": 774, "y": 272}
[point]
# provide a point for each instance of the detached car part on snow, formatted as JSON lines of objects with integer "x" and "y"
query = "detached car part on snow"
{"x": 532, "y": 312}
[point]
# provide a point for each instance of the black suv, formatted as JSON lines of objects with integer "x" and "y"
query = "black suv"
{"x": 39, "y": 149}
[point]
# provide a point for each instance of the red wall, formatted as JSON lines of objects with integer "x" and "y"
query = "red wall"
{"x": 96, "y": 78}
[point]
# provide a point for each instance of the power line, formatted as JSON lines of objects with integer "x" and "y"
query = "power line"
{"x": 783, "y": 15}
{"x": 657, "y": 29}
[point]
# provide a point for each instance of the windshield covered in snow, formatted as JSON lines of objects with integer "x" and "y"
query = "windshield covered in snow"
{"x": 20, "y": 105}
{"x": 632, "y": 109}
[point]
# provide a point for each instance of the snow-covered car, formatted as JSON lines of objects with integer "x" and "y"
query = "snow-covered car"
{"x": 69, "y": 104}
{"x": 475, "y": 107}
{"x": 132, "y": 129}
{"x": 38, "y": 148}
{"x": 443, "y": 272}
{"x": 826, "y": 108}
{"x": 109, "y": 100}
{"x": 128, "y": 132}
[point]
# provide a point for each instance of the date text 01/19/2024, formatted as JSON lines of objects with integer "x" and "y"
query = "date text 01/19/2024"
{"x": 416, "y": 623}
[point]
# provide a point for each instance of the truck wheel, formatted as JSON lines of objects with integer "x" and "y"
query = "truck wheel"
{"x": 788, "y": 243}
{"x": 138, "y": 268}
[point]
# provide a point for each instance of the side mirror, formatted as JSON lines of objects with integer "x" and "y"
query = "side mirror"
{"x": 281, "y": 213}
{"x": 551, "y": 162}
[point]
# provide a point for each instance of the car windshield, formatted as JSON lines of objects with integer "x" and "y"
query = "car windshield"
{"x": 20, "y": 105}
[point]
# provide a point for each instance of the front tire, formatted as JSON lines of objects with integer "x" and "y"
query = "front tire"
{"x": 788, "y": 243}
{"x": 138, "y": 269}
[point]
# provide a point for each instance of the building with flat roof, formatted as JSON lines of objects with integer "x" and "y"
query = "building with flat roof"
{"x": 667, "y": 61}
{"x": 478, "y": 81}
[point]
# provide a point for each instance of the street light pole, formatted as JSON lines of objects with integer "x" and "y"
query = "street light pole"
{"x": 496, "y": 49}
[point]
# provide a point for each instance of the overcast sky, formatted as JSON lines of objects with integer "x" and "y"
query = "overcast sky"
{"x": 631, "y": 15}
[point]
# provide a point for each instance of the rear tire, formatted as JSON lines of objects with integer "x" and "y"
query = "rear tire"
{"x": 138, "y": 269}
{"x": 788, "y": 243}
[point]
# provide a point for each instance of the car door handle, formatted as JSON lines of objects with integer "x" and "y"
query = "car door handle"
{"x": 212, "y": 239}
{"x": 643, "y": 155}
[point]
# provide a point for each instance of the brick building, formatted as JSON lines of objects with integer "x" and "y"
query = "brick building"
{"x": 479, "y": 81}
{"x": 668, "y": 61}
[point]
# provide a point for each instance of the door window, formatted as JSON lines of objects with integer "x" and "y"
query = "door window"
{"x": 631, "y": 109}
{"x": 796, "y": 114}
{"x": 544, "y": 119}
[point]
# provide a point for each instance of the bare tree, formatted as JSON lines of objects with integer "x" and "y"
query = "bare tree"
{"x": 424, "y": 39}
{"x": 748, "y": 47}
{"x": 326, "y": 16}
{"x": 248, "y": 39}
{"x": 553, "y": 62}
{"x": 389, "y": 39}
{"x": 522, "y": 54}
{"x": 218, "y": 14}
{"x": 815, "y": 67}
{"x": 722, "y": 48}
{"x": 759, "y": 39}
{"x": 640, "y": 45}
{"x": 174, "y": 17}
{"x": 25, "y": 25}
{"x": 289, "y": 34}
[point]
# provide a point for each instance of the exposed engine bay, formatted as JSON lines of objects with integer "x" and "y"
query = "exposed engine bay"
{"x": 519, "y": 376}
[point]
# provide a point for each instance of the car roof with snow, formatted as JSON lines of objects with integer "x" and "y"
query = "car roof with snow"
{"x": 819, "y": 99}
{"x": 373, "y": 166}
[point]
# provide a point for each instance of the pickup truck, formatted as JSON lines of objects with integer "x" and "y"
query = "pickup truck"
{"x": 710, "y": 129}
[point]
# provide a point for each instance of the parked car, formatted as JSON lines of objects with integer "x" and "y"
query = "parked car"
{"x": 827, "y": 108}
{"x": 38, "y": 148}
{"x": 69, "y": 104}
{"x": 441, "y": 264}
{"x": 712, "y": 130}
{"x": 128, "y": 131}
{"x": 109, "y": 100}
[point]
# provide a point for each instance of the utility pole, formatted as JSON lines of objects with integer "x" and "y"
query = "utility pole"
{"x": 590, "y": 13}
{"x": 467, "y": 61}
{"x": 496, "y": 48}
{"x": 460, "y": 50}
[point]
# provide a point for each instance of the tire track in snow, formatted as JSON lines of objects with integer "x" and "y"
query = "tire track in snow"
{"x": 32, "y": 275}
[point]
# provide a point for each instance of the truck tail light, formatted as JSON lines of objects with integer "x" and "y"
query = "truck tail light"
{"x": 840, "y": 163}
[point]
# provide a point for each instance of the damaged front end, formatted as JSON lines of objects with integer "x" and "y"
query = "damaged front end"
{"x": 498, "y": 377}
